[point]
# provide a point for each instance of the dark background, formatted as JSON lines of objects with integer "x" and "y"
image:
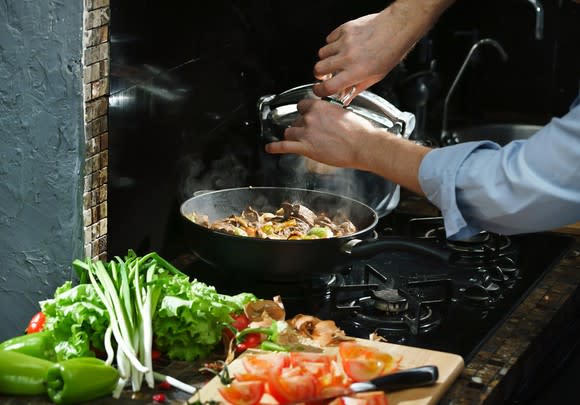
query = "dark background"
{"x": 185, "y": 79}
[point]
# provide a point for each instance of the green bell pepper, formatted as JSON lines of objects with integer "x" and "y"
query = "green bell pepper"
{"x": 21, "y": 374}
{"x": 80, "y": 379}
{"x": 40, "y": 344}
{"x": 321, "y": 232}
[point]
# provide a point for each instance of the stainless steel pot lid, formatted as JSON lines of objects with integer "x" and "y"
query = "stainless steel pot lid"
{"x": 279, "y": 111}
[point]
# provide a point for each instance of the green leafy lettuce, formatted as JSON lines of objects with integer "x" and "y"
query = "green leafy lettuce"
{"x": 187, "y": 320}
{"x": 77, "y": 318}
{"x": 190, "y": 317}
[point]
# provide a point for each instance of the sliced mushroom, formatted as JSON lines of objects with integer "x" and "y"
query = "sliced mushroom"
{"x": 323, "y": 332}
{"x": 251, "y": 215}
{"x": 257, "y": 311}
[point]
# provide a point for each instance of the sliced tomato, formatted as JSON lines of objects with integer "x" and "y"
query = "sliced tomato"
{"x": 292, "y": 385}
{"x": 299, "y": 358}
{"x": 351, "y": 350}
{"x": 36, "y": 324}
{"x": 318, "y": 370}
{"x": 353, "y": 401}
{"x": 243, "y": 392}
{"x": 359, "y": 361}
{"x": 363, "y": 398}
{"x": 336, "y": 401}
{"x": 373, "y": 397}
{"x": 363, "y": 369}
{"x": 333, "y": 391}
{"x": 251, "y": 377}
{"x": 263, "y": 364}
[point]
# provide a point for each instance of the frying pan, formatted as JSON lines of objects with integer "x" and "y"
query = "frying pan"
{"x": 288, "y": 260}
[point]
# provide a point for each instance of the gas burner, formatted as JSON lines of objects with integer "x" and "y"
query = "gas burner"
{"x": 366, "y": 314}
{"x": 389, "y": 300}
{"x": 434, "y": 233}
{"x": 482, "y": 243}
{"x": 414, "y": 308}
{"x": 480, "y": 294}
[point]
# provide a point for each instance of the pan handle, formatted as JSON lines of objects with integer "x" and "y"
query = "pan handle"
{"x": 362, "y": 249}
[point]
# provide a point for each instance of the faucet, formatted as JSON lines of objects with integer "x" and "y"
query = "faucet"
{"x": 485, "y": 41}
{"x": 539, "y": 9}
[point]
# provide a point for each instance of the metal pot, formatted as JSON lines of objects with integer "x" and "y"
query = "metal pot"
{"x": 277, "y": 112}
{"x": 287, "y": 260}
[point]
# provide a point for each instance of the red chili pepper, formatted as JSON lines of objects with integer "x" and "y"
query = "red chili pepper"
{"x": 164, "y": 385}
{"x": 241, "y": 347}
{"x": 155, "y": 354}
{"x": 36, "y": 324}
{"x": 250, "y": 340}
{"x": 159, "y": 397}
{"x": 253, "y": 339}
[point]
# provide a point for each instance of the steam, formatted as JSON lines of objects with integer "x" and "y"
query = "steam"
{"x": 370, "y": 189}
{"x": 197, "y": 175}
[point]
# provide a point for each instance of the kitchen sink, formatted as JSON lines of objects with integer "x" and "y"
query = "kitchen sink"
{"x": 499, "y": 133}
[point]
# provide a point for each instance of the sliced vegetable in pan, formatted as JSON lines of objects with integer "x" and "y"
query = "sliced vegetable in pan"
{"x": 291, "y": 221}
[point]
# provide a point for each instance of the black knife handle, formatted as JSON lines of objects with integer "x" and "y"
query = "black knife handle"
{"x": 409, "y": 378}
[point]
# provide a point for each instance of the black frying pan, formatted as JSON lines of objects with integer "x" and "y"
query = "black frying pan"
{"x": 288, "y": 260}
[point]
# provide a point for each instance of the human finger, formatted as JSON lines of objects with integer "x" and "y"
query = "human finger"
{"x": 334, "y": 35}
{"x": 337, "y": 83}
{"x": 293, "y": 133}
{"x": 329, "y": 50}
{"x": 290, "y": 144}
{"x": 304, "y": 105}
{"x": 280, "y": 147}
{"x": 298, "y": 122}
{"x": 326, "y": 67}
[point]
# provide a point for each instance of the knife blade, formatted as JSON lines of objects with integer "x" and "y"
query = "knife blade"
{"x": 408, "y": 378}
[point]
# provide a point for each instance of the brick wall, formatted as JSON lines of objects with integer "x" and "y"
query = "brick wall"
{"x": 96, "y": 99}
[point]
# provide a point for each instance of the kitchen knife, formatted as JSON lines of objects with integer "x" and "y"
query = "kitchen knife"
{"x": 409, "y": 378}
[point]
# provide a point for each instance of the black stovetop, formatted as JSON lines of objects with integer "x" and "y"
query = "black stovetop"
{"x": 459, "y": 303}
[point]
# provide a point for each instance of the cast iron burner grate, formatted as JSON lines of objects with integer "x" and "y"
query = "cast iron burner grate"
{"x": 412, "y": 307}
{"x": 483, "y": 266}
{"x": 483, "y": 243}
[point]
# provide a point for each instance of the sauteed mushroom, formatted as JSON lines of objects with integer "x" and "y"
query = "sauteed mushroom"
{"x": 292, "y": 221}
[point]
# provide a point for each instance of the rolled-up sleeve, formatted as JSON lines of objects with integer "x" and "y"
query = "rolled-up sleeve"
{"x": 438, "y": 178}
{"x": 526, "y": 186}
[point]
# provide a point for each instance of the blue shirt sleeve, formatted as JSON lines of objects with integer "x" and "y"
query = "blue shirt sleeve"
{"x": 526, "y": 186}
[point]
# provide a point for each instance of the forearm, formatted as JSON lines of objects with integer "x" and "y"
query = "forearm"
{"x": 418, "y": 16}
{"x": 393, "y": 158}
{"x": 526, "y": 186}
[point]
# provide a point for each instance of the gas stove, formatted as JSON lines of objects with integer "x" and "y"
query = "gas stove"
{"x": 414, "y": 299}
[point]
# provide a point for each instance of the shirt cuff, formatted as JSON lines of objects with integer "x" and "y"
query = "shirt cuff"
{"x": 437, "y": 177}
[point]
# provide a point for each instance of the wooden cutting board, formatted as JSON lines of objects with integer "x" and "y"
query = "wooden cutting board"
{"x": 450, "y": 366}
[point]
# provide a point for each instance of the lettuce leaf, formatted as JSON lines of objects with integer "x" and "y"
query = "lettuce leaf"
{"x": 187, "y": 322}
{"x": 78, "y": 320}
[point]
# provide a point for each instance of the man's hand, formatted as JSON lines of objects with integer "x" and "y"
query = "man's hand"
{"x": 326, "y": 133}
{"x": 361, "y": 52}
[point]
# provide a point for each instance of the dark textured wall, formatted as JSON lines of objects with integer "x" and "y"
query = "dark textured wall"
{"x": 41, "y": 144}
